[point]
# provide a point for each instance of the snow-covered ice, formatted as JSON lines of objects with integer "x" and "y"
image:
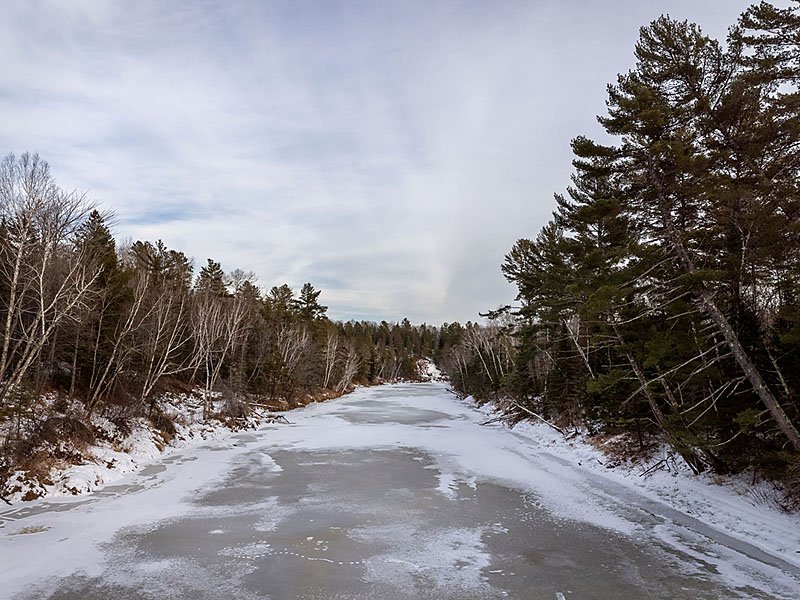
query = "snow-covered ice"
{"x": 238, "y": 485}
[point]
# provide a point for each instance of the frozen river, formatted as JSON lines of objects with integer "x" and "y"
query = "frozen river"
{"x": 390, "y": 492}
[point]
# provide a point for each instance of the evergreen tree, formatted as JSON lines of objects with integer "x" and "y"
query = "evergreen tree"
{"x": 665, "y": 289}
{"x": 212, "y": 280}
{"x": 94, "y": 336}
{"x": 280, "y": 301}
{"x": 307, "y": 305}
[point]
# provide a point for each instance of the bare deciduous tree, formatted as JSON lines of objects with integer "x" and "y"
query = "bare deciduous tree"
{"x": 352, "y": 362}
{"x": 47, "y": 276}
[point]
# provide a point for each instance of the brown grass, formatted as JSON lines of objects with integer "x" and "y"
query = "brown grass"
{"x": 164, "y": 424}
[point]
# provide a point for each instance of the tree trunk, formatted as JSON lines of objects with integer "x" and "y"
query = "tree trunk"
{"x": 689, "y": 455}
{"x": 719, "y": 319}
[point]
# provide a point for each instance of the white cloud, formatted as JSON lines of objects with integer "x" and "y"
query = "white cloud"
{"x": 390, "y": 153}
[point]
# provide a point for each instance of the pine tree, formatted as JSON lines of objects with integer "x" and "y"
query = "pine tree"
{"x": 95, "y": 335}
{"x": 280, "y": 300}
{"x": 668, "y": 111}
{"x": 307, "y": 305}
{"x": 669, "y": 273}
{"x": 212, "y": 280}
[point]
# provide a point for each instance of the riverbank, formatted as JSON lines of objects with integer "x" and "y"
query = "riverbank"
{"x": 68, "y": 450}
{"x": 74, "y": 466}
{"x": 750, "y": 512}
{"x": 389, "y": 492}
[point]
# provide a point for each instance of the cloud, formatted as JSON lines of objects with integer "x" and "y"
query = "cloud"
{"x": 388, "y": 152}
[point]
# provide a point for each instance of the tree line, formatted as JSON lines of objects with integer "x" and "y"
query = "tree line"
{"x": 106, "y": 329}
{"x": 663, "y": 297}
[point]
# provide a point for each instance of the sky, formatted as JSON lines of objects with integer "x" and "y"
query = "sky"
{"x": 388, "y": 152}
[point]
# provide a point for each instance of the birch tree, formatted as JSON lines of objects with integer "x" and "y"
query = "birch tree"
{"x": 351, "y": 363}
{"x": 47, "y": 278}
{"x": 218, "y": 325}
{"x": 331, "y": 355}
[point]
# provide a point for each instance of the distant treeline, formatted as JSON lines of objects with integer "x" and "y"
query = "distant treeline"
{"x": 105, "y": 329}
{"x": 663, "y": 298}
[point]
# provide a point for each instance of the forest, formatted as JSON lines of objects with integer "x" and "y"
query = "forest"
{"x": 661, "y": 303}
{"x": 92, "y": 328}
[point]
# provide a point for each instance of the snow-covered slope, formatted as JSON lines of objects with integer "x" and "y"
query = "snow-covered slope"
{"x": 428, "y": 371}
{"x": 116, "y": 454}
{"x": 745, "y": 511}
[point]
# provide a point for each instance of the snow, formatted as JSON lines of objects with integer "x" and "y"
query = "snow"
{"x": 107, "y": 464}
{"x": 428, "y": 371}
{"x": 569, "y": 477}
{"x": 566, "y": 477}
{"x": 72, "y": 538}
{"x": 730, "y": 504}
{"x": 452, "y": 559}
{"x": 111, "y": 459}
{"x": 462, "y": 449}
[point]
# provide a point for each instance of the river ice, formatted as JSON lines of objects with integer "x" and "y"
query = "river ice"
{"x": 390, "y": 492}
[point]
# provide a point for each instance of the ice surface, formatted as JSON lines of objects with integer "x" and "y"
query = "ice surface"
{"x": 564, "y": 478}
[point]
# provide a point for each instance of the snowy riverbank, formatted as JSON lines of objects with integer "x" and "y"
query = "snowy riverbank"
{"x": 732, "y": 504}
{"x": 745, "y": 511}
{"x": 398, "y": 486}
{"x": 116, "y": 453}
